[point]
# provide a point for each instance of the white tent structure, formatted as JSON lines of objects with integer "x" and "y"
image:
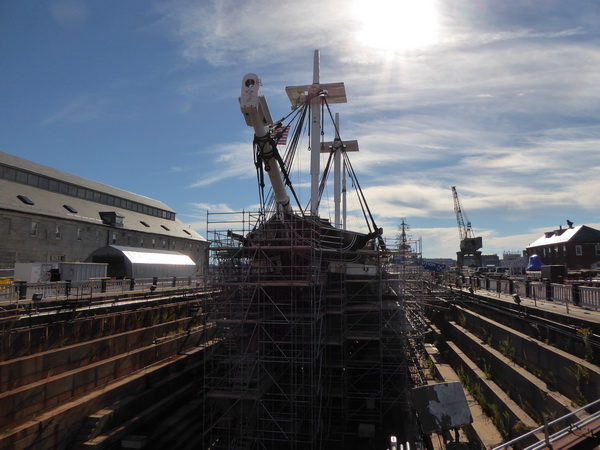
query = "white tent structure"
{"x": 135, "y": 262}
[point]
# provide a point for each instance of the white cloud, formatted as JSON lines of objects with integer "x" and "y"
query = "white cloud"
{"x": 503, "y": 106}
{"x": 233, "y": 160}
{"x": 82, "y": 108}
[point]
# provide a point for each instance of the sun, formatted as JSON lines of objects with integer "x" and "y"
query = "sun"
{"x": 396, "y": 25}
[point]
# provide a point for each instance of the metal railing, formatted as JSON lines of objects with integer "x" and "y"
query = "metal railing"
{"x": 565, "y": 431}
{"x": 567, "y": 294}
{"x": 14, "y": 292}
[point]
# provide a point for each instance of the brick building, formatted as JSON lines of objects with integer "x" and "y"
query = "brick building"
{"x": 578, "y": 247}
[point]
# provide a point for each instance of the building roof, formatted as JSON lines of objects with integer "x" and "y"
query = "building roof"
{"x": 145, "y": 263}
{"x": 30, "y": 166}
{"x": 138, "y": 255}
{"x": 55, "y": 204}
{"x": 580, "y": 233}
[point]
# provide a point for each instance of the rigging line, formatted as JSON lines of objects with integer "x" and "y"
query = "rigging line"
{"x": 295, "y": 111}
{"x": 291, "y": 151}
{"x": 295, "y": 139}
{"x": 355, "y": 180}
{"x": 259, "y": 174}
{"x": 362, "y": 199}
{"x": 299, "y": 115}
{"x": 287, "y": 180}
{"x": 325, "y": 175}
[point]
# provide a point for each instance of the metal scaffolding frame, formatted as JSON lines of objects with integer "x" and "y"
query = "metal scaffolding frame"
{"x": 313, "y": 342}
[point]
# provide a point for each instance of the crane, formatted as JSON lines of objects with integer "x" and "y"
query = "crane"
{"x": 469, "y": 244}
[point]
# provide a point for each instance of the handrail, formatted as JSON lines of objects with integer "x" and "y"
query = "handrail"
{"x": 554, "y": 422}
{"x": 16, "y": 291}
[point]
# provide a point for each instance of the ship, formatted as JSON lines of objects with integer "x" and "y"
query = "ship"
{"x": 315, "y": 338}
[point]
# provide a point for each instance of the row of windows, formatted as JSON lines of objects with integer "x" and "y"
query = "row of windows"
{"x": 50, "y": 184}
{"x": 116, "y": 238}
{"x": 578, "y": 250}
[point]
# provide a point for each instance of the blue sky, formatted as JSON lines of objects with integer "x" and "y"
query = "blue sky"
{"x": 498, "y": 98}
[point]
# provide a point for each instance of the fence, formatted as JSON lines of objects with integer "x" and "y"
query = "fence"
{"x": 573, "y": 294}
{"x": 77, "y": 290}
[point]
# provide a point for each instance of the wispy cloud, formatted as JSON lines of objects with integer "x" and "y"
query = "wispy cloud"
{"x": 501, "y": 105}
{"x": 232, "y": 160}
{"x": 82, "y": 108}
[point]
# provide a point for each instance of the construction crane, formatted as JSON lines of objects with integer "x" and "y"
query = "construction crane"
{"x": 469, "y": 244}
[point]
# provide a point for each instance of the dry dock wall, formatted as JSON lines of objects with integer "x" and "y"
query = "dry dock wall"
{"x": 28, "y": 369}
{"x": 74, "y": 327}
{"x": 569, "y": 375}
{"x": 24, "y": 401}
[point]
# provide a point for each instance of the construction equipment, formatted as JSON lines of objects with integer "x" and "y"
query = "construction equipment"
{"x": 469, "y": 244}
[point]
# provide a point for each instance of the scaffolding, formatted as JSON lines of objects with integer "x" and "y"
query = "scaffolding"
{"x": 313, "y": 337}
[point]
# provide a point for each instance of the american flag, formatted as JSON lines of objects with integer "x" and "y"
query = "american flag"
{"x": 280, "y": 134}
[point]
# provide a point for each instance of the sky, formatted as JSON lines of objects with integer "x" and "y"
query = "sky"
{"x": 498, "y": 98}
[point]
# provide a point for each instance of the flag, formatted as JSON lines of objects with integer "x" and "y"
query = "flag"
{"x": 280, "y": 134}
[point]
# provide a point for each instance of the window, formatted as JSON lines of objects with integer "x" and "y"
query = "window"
{"x": 165, "y": 227}
{"x": 187, "y": 232}
{"x": 79, "y": 233}
{"x": 10, "y": 173}
{"x": 153, "y": 242}
{"x": 25, "y": 199}
{"x": 564, "y": 250}
{"x": 32, "y": 179}
{"x": 98, "y": 236}
{"x": 114, "y": 238}
{"x": 111, "y": 218}
{"x": 58, "y": 231}
{"x": 578, "y": 250}
{"x": 70, "y": 209}
{"x": 597, "y": 249}
{"x": 145, "y": 224}
{"x": 34, "y": 229}
{"x": 6, "y": 225}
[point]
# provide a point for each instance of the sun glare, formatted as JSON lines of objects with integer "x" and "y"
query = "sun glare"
{"x": 396, "y": 25}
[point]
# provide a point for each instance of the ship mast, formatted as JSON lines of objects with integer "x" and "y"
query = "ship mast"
{"x": 315, "y": 94}
{"x": 315, "y": 137}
